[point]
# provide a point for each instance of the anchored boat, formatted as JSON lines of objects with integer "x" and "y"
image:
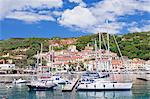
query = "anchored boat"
{"x": 45, "y": 79}
{"x": 100, "y": 83}
{"x": 104, "y": 85}
{"x": 19, "y": 81}
{"x": 41, "y": 85}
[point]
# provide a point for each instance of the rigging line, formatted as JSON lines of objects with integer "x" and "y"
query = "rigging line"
{"x": 118, "y": 48}
{"x": 104, "y": 41}
{"x": 108, "y": 52}
{"x": 121, "y": 55}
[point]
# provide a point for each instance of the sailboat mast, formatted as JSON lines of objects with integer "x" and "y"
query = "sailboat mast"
{"x": 52, "y": 55}
{"x": 108, "y": 50}
{"x": 96, "y": 54}
{"x": 37, "y": 59}
{"x": 100, "y": 47}
{"x": 52, "y": 58}
{"x": 49, "y": 60}
{"x": 41, "y": 53}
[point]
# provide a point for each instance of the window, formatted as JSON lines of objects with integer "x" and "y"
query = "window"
{"x": 57, "y": 78}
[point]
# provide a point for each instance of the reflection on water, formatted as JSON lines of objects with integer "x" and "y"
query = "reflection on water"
{"x": 140, "y": 90}
{"x": 106, "y": 95}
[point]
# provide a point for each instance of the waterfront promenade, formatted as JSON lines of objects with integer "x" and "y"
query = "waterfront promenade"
{"x": 17, "y": 75}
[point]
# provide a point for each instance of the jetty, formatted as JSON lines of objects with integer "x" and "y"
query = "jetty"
{"x": 70, "y": 86}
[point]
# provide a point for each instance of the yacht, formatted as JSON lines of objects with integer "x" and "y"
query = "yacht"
{"x": 41, "y": 85}
{"x": 104, "y": 84}
{"x": 19, "y": 81}
{"x": 44, "y": 79}
{"x": 58, "y": 79}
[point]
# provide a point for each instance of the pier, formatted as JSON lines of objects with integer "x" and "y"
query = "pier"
{"x": 70, "y": 87}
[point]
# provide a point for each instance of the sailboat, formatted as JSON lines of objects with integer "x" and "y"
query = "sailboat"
{"x": 104, "y": 84}
{"x": 44, "y": 77}
{"x": 95, "y": 74}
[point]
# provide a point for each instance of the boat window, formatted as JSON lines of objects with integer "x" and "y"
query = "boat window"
{"x": 57, "y": 78}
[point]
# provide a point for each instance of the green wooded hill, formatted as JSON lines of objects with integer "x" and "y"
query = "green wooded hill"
{"x": 133, "y": 45}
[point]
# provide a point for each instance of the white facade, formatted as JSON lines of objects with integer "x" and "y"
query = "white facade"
{"x": 147, "y": 65}
{"x": 7, "y": 66}
{"x": 72, "y": 48}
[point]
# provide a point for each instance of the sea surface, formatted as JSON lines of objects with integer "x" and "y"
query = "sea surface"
{"x": 140, "y": 90}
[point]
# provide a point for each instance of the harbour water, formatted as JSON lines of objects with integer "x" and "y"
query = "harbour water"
{"x": 140, "y": 90}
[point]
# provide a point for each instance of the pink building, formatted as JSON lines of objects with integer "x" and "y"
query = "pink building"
{"x": 117, "y": 64}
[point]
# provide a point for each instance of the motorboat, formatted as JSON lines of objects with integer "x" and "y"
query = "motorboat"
{"x": 85, "y": 81}
{"x": 41, "y": 85}
{"x": 20, "y": 80}
{"x": 57, "y": 79}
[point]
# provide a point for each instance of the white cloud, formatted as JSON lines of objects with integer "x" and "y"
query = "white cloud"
{"x": 146, "y": 28}
{"x": 29, "y": 17}
{"x": 7, "y": 6}
{"x": 111, "y": 28}
{"x": 101, "y": 11}
{"x": 139, "y": 29}
{"x": 79, "y": 17}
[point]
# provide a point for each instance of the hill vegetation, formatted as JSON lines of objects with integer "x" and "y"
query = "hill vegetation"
{"x": 133, "y": 45}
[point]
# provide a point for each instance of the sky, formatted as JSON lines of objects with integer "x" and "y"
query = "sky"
{"x": 72, "y": 18}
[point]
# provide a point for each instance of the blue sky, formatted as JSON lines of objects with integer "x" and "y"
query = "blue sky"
{"x": 72, "y": 18}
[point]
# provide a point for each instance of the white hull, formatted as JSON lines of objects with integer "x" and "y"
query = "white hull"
{"x": 58, "y": 79}
{"x": 105, "y": 86}
{"x": 41, "y": 85}
{"x": 19, "y": 81}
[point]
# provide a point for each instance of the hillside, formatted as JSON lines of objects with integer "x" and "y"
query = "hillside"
{"x": 133, "y": 45}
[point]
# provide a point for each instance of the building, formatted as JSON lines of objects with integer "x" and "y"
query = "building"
{"x": 117, "y": 64}
{"x": 7, "y": 66}
{"x": 137, "y": 64}
{"x": 61, "y": 42}
{"x": 147, "y": 65}
{"x": 72, "y": 48}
